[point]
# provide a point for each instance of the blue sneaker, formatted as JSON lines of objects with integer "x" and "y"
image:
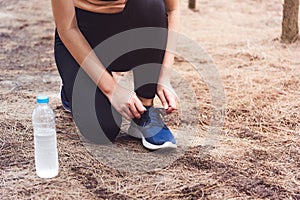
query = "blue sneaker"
{"x": 64, "y": 101}
{"x": 153, "y": 131}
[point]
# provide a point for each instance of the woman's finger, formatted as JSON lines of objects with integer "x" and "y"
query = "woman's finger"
{"x": 134, "y": 111}
{"x": 139, "y": 106}
{"x": 163, "y": 100}
{"x": 171, "y": 101}
{"x": 126, "y": 114}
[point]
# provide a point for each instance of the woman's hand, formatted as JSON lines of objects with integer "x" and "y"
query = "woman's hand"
{"x": 167, "y": 96}
{"x": 126, "y": 102}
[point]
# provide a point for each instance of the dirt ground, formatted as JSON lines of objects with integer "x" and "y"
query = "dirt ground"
{"x": 257, "y": 155}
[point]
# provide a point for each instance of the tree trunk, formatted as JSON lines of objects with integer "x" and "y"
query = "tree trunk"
{"x": 290, "y": 29}
{"x": 192, "y": 4}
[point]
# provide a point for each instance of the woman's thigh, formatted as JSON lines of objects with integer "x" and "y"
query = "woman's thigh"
{"x": 98, "y": 27}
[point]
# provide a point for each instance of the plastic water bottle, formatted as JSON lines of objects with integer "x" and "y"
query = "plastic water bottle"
{"x": 45, "y": 146}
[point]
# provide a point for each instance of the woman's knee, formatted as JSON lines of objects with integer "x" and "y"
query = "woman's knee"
{"x": 98, "y": 124}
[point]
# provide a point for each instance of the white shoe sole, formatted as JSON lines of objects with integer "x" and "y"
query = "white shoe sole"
{"x": 136, "y": 133}
{"x": 66, "y": 109}
{"x": 166, "y": 145}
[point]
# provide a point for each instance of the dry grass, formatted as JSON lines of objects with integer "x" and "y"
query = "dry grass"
{"x": 257, "y": 154}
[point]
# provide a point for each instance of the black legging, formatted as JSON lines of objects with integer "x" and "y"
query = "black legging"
{"x": 96, "y": 27}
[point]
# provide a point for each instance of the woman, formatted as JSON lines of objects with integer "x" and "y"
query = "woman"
{"x": 81, "y": 25}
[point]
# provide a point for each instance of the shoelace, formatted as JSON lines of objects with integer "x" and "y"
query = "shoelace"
{"x": 156, "y": 116}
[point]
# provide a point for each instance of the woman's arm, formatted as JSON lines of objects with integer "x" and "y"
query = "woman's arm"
{"x": 66, "y": 24}
{"x": 123, "y": 100}
{"x": 173, "y": 26}
{"x": 164, "y": 90}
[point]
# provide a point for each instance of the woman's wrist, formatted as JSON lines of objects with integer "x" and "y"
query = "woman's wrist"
{"x": 107, "y": 85}
{"x": 165, "y": 72}
{"x": 164, "y": 80}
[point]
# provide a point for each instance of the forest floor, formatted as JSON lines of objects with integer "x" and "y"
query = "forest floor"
{"x": 255, "y": 155}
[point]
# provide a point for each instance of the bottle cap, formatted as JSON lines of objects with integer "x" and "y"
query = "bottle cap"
{"x": 42, "y": 99}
